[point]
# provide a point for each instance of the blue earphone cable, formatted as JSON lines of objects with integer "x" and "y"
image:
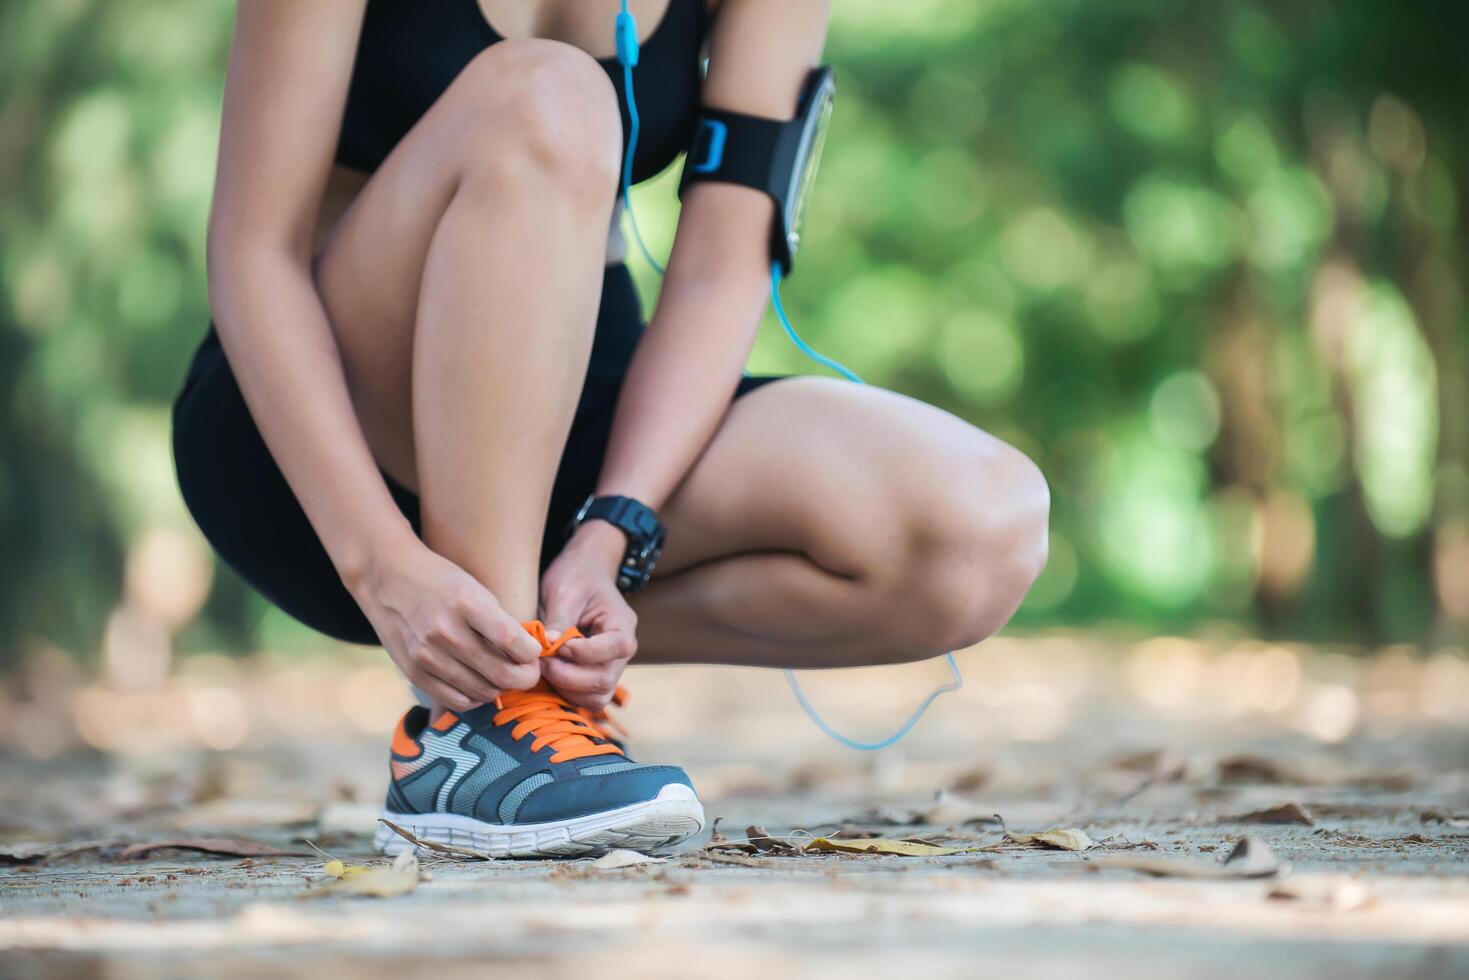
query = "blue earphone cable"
{"x": 627, "y": 56}
{"x": 958, "y": 682}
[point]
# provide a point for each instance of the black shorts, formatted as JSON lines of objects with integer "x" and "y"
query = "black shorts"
{"x": 246, "y": 509}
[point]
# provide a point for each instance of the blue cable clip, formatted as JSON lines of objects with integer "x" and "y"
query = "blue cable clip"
{"x": 627, "y": 37}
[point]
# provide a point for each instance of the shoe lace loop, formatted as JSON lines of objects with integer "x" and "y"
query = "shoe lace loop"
{"x": 573, "y": 732}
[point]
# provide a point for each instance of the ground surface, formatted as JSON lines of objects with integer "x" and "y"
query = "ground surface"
{"x": 1154, "y": 751}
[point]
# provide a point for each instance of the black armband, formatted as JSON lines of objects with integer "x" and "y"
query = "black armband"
{"x": 778, "y": 157}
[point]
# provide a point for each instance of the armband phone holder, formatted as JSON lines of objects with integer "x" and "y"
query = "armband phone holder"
{"x": 776, "y": 156}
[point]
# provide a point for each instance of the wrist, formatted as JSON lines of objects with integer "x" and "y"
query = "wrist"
{"x": 360, "y": 560}
{"x": 601, "y": 543}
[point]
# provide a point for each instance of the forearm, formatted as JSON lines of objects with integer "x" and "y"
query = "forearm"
{"x": 280, "y": 346}
{"x": 686, "y": 367}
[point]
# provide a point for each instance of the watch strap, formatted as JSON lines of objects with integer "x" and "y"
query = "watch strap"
{"x": 640, "y": 525}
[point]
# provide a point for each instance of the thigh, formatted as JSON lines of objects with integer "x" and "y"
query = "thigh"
{"x": 831, "y": 469}
{"x": 369, "y": 268}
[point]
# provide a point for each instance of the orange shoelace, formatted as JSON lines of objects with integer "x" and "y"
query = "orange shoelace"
{"x": 573, "y": 732}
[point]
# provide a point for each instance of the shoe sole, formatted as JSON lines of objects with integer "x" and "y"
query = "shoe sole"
{"x": 673, "y": 815}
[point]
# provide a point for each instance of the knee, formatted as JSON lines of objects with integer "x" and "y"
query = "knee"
{"x": 977, "y": 543}
{"x": 540, "y": 110}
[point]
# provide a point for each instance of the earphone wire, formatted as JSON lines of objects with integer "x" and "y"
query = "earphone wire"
{"x": 627, "y": 56}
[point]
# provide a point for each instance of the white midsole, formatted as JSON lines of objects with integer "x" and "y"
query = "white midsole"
{"x": 675, "y": 813}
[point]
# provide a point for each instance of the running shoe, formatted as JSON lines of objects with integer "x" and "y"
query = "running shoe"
{"x": 530, "y": 776}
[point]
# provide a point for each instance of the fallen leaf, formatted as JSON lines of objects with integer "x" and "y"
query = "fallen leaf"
{"x": 765, "y": 844}
{"x": 1357, "y": 840}
{"x": 1447, "y": 819}
{"x": 1252, "y": 858}
{"x": 1387, "y": 782}
{"x": 620, "y": 857}
{"x": 880, "y": 845}
{"x": 379, "y": 882}
{"x": 1161, "y": 765}
{"x": 1058, "y": 838}
{"x": 1249, "y": 859}
{"x": 1254, "y": 769}
{"x": 39, "y": 853}
{"x": 1285, "y": 813}
{"x": 433, "y": 845}
{"x": 208, "y": 845}
{"x": 719, "y": 842}
{"x": 340, "y": 869}
{"x": 743, "y": 859}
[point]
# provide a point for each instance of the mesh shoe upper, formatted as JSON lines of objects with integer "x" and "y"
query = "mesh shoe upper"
{"x": 498, "y": 764}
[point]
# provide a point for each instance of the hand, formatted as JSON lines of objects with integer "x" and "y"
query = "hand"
{"x": 444, "y": 630}
{"x": 580, "y": 589}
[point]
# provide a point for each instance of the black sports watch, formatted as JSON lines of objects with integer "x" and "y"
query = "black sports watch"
{"x": 777, "y": 156}
{"x": 644, "y": 532}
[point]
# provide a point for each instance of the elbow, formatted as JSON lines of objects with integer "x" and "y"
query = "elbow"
{"x": 237, "y": 262}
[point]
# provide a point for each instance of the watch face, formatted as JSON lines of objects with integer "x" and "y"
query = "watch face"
{"x": 816, "y": 117}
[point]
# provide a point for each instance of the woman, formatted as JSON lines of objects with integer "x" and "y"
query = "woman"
{"x": 427, "y": 354}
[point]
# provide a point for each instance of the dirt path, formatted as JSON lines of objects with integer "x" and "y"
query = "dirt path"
{"x": 1374, "y": 876}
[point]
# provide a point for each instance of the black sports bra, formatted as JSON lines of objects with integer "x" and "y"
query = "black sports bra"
{"x": 410, "y": 51}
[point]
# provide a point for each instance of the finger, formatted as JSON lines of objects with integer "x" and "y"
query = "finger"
{"x": 563, "y": 610}
{"x": 501, "y": 632}
{"x": 501, "y": 673}
{"x": 603, "y": 648}
{"x": 590, "y": 687}
{"x": 443, "y": 693}
{"x": 447, "y": 665}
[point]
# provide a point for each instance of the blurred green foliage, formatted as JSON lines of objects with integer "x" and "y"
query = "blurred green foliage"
{"x": 1205, "y": 262}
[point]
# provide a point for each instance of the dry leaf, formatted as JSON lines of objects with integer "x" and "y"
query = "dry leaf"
{"x": 1252, "y": 858}
{"x": 1285, "y": 813}
{"x": 1447, "y": 819}
{"x": 719, "y": 842}
{"x": 620, "y": 857}
{"x": 1254, "y": 769}
{"x": 1249, "y": 859}
{"x": 765, "y": 844}
{"x": 742, "y": 859}
{"x": 379, "y": 882}
{"x": 209, "y": 845}
{"x": 880, "y": 845}
{"x": 39, "y": 853}
{"x": 433, "y": 845}
{"x": 340, "y": 869}
{"x": 1058, "y": 838}
{"x": 1160, "y": 765}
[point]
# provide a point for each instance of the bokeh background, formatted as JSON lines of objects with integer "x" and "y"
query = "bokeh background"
{"x": 1205, "y": 262}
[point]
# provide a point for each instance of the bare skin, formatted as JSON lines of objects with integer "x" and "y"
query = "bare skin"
{"x": 435, "y": 319}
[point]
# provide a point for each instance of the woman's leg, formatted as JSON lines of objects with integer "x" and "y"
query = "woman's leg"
{"x": 832, "y": 525}
{"x": 463, "y": 285}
